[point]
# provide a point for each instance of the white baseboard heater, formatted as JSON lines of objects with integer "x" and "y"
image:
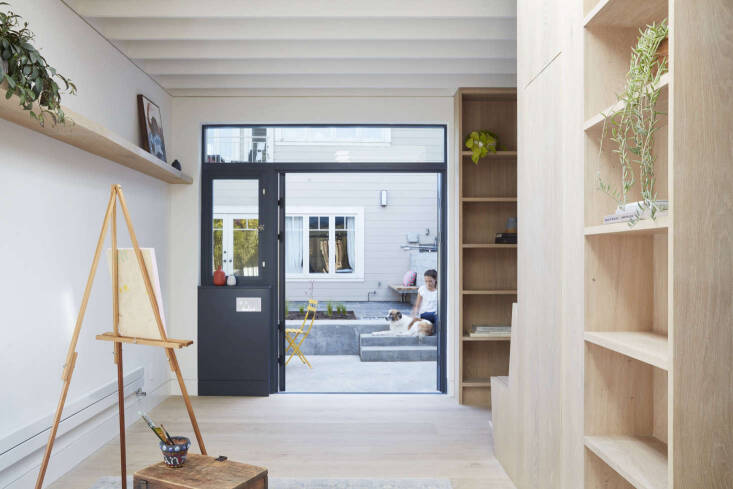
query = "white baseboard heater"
{"x": 26, "y": 440}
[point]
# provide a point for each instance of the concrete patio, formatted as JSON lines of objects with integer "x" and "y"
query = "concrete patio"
{"x": 347, "y": 373}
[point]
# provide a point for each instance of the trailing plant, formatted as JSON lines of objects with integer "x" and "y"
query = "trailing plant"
{"x": 341, "y": 309}
{"x": 27, "y": 73}
{"x": 481, "y": 143}
{"x": 301, "y": 309}
{"x": 633, "y": 126}
{"x": 329, "y": 309}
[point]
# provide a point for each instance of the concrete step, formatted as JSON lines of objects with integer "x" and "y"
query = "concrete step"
{"x": 419, "y": 353}
{"x": 370, "y": 340}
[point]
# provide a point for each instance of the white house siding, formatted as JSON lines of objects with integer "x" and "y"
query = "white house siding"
{"x": 412, "y": 208}
{"x": 406, "y": 144}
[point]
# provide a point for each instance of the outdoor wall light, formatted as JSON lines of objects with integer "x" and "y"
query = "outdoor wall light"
{"x": 383, "y": 198}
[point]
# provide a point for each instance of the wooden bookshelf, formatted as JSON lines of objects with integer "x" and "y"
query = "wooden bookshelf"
{"x": 93, "y": 138}
{"x": 628, "y": 294}
{"x": 488, "y": 271}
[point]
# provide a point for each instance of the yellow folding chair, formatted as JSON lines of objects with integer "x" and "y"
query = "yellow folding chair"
{"x": 292, "y": 334}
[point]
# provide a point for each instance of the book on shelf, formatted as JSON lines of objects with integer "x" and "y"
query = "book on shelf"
{"x": 506, "y": 238}
{"x": 480, "y": 331}
{"x": 627, "y": 216}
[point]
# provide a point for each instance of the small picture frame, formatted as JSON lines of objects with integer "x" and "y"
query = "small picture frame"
{"x": 151, "y": 127}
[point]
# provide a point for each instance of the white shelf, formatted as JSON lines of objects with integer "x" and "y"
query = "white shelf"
{"x": 640, "y": 460}
{"x": 644, "y": 226}
{"x": 93, "y": 138}
{"x": 595, "y": 123}
{"x": 626, "y": 13}
{"x": 649, "y": 348}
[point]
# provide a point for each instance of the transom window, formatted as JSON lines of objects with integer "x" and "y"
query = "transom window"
{"x": 324, "y": 243}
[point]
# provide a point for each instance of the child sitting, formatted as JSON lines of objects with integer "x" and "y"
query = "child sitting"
{"x": 426, "y": 304}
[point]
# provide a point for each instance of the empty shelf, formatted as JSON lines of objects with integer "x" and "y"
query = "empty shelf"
{"x": 646, "y": 347}
{"x": 640, "y": 460}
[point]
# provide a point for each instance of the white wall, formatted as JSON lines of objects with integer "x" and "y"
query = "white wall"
{"x": 189, "y": 115}
{"x": 52, "y": 200}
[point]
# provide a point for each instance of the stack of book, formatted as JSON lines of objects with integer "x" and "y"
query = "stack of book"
{"x": 635, "y": 211}
{"x": 478, "y": 331}
{"x": 506, "y": 238}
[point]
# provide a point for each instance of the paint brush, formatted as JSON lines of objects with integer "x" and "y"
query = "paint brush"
{"x": 167, "y": 435}
{"x": 156, "y": 429}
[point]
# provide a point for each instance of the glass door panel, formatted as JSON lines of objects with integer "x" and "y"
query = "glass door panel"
{"x": 236, "y": 227}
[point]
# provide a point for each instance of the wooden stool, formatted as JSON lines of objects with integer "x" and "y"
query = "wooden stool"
{"x": 201, "y": 472}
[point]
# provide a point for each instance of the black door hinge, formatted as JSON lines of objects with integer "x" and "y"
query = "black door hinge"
{"x": 280, "y": 202}
{"x": 281, "y": 359}
{"x": 279, "y": 236}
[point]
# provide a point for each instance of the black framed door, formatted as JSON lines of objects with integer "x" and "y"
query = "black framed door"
{"x": 239, "y": 230}
{"x": 241, "y": 352}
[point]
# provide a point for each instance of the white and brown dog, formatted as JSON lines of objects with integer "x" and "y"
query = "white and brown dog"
{"x": 399, "y": 325}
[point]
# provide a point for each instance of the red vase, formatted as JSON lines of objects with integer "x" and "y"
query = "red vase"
{"x": 220, "y": 278}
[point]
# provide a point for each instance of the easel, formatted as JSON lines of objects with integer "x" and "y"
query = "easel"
{"x": 110, "y": 218}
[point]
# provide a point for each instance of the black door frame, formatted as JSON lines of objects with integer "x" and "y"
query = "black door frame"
{"x": 274, "y": 173}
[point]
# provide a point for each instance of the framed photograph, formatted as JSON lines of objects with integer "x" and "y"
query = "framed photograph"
{"x": 151, "y": 127}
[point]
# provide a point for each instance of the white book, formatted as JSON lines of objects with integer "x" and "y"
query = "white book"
{"x": 639, "y": 205}
{"x": 630, "y": 216}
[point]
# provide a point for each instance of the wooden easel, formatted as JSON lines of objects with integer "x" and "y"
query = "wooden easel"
{"x": 110, "y": 218}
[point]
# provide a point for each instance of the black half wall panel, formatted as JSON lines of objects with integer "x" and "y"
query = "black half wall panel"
{"x": 234, "y": 346}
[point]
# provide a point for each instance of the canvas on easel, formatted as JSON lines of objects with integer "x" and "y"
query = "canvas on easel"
{"x": 136, "y": 298}
{"x": 136, "y": 317}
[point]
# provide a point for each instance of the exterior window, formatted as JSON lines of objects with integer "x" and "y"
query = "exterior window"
{"x": 318, "y": 244}
{"x": 322, "y": 244}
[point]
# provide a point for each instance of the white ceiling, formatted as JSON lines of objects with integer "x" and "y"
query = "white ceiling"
{"x": 227, "y": 46}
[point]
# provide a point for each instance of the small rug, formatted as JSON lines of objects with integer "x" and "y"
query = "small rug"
{"x": 286, "y": 483}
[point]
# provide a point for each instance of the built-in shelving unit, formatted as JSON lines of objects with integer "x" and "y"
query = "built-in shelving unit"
{"x": 488, "y": 271}
{"x": 628, "y": 299}
{"x": 93, "y": 138}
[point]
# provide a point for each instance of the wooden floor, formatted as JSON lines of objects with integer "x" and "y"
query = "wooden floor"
{"x": 310, "y": 435}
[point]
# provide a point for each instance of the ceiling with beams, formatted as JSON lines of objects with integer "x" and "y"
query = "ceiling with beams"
{"x": 195, "y": 47}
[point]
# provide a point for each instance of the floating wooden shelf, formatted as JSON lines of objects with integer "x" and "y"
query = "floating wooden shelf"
{"x": 595, "y": 123}
{"x": 498, "y": 154}
{"x": 169, "y": 343}
{"x": 645, "y": 226}
{"x": 487, "y": 245}
{"x": 649, "y": 348}
{"x": 640, "y": 460}
{"x": 477, "y": 382}
{"x": 502, "y": 337}
{"x": 488, "y": 199}
{"x": 489, "y": 292}
{"x": 625, "y": 13}
{"x": 95, "y": 139}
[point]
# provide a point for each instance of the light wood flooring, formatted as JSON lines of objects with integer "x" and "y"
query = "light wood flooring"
{"x": 326, "y": 435}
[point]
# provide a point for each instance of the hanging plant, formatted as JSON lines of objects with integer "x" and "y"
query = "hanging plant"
{"x": 25, "y": 73}
{"x": 481, "y": 143}
{"x": 634, "y": 125}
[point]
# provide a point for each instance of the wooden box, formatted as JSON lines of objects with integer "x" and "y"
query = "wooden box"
{"x": 201, "y": 472}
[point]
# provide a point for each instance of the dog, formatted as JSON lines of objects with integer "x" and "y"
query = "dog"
{"x": 399, "y": 325}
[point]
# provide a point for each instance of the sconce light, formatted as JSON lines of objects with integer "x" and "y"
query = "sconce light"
{"x": 383, "y": 198}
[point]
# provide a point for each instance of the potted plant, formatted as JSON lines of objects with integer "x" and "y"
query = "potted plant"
{"x": 26, "y": 74}
{"x": 481, "y": 143}
{"x": 633, "y": 126}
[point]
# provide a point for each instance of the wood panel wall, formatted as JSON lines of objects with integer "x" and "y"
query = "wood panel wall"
{"x": 703, "y": 244}
{"x": 543, "y": 424}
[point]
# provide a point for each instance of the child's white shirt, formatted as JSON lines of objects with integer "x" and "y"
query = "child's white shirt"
{"x": 429, "y": 299}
